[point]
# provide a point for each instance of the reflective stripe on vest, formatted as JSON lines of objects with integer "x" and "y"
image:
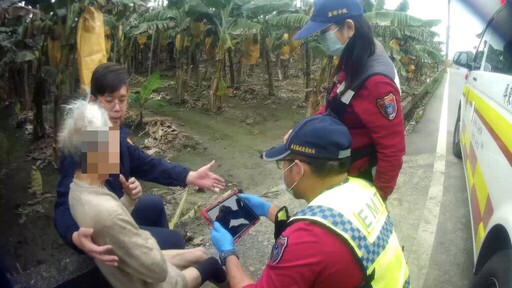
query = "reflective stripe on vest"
{"x": 370, "y": 251}
{"x": 375, "y": 246}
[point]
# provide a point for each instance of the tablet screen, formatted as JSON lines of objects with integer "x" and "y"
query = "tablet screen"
{"x": 234, "y": 215}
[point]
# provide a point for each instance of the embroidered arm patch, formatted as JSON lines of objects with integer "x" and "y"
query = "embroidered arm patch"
{"x": 388, "y": 106}
{"x": 278, "y": 249}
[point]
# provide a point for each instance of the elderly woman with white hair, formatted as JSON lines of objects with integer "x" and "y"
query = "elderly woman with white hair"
{"x": 94, "y": 144}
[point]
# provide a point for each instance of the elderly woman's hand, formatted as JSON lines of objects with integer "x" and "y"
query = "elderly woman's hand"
{"x": 131, "y": 188}
{"x": 83, "y": 240}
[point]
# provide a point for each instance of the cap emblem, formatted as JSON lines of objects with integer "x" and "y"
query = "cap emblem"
{"x": 337, "y": 12}
{"x": 303, "y": 149}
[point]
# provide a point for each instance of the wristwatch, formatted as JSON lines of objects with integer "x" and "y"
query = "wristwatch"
{"x": 225, "y": 254}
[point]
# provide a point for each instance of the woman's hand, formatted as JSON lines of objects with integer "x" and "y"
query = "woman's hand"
{"x": 83, "y": 240}
{"x": 205, "y": 179}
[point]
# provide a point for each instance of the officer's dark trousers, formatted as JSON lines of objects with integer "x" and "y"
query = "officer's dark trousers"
{"x": 149, "y": 213}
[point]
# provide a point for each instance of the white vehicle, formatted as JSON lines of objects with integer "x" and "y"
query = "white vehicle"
{"x": 483, "y": 139}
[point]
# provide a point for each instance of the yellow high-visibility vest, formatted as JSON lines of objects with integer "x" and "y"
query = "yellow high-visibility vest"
{"x": 355, "y": 212}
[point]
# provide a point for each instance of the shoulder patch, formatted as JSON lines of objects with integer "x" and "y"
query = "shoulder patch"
{"x": 278, "y": 249}
{"x": 387, "y": 106}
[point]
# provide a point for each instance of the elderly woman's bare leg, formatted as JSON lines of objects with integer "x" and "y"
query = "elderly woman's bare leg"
{"x": 186, "y": 258}
{"x": 207, "y": 270}
{"x": 193, "y": 277}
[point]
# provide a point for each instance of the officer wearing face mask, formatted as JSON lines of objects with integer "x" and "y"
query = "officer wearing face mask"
{"x": 365, "y": 94}
{"x": 343, "y": 238}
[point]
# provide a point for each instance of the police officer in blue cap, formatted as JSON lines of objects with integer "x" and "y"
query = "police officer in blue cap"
{"x": 343, "y": 238}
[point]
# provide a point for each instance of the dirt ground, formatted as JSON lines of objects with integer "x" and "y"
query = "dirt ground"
{"x": 250, "y": 123}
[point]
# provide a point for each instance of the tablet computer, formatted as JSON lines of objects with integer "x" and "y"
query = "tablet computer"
{"x": 232, "y": 213}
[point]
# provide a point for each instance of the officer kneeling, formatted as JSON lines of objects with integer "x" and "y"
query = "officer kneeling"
{"x": 343, "y": 238}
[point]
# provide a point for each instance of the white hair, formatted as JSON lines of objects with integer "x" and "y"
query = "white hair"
{"x": 85, "y": 122}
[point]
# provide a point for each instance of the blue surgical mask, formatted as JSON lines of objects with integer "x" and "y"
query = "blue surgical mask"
{"x": 289, "y": 189}
{"x": 331, "y": 43}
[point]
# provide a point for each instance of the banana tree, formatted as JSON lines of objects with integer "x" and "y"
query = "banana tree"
{"x": 223, "y": 18}
{"x": 140, "y": 99}
{"x": 117, "y": 16}
{"x": 64, "y": 15}
{"x": 409, "y": 40}
{"x": 294, "y": 21}
{"x": 22, "y": 36}
{"x": 17, "y": 49}
{"x": 261, "y": 12}
{"x": 190, "y": 16}
{"x": 151, "y": 22}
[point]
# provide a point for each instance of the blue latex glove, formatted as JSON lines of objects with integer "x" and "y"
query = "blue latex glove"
{"x": 221, "y": 238}
{"x": 256, "y": 203}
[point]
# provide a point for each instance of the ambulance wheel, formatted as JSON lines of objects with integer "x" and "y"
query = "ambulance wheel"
{"x": 496, "y": 273}
{"x": 456, "y": 150}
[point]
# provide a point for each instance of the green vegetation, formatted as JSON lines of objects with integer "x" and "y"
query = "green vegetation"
{"x": 203, "y": 41}
{"x": 140, "y": 99}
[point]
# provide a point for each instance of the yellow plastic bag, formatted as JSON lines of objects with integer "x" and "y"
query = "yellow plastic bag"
{"x": 270, "y": 43}
{"x": 141, "y": 39}
{"x": 178, "y": 43}
{"x": 294, "y": 45}
{"x": 54, "y": 47}
{"x": 208, "y": 42}
{"x": 335, "y": 61}
{"x": 251, "y": 52}
{"x": 209, "y": 48}
{"x": 284, "y": 53}
{"x": 395, "y": 44}
{"x": 197, "y": 28}
{"x": 108, "y": 41}
{"x": 54, "y": 53}
{"x": 90, "y": 44}
{"x": 163, "y": 42}
{"x": 181, "y": 42}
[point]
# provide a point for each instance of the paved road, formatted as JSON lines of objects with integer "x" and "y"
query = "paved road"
{"x": 430, "y": 205}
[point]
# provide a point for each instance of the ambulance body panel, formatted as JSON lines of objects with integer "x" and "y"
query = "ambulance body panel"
{"x": 484, "y": 129}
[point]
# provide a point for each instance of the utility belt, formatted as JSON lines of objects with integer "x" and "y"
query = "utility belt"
{"x": 368, "y": 151}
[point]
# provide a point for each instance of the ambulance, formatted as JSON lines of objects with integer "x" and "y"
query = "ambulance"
{"x": 483, "y": 140}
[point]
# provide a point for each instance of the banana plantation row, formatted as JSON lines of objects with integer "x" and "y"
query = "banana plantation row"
{"x": 46, "y": 47}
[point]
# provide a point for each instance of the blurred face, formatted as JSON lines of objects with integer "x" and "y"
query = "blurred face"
{"x": 105, "y": 160}
{"x": 116, "y": 104}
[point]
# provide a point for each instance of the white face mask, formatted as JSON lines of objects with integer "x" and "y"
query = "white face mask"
{"x": 289, "y": 190}
{"x": 331, "y": 44}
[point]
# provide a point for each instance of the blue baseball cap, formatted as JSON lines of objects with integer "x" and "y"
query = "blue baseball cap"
{"x": 327, "y": 12}
{"x": 319, "y": 136}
